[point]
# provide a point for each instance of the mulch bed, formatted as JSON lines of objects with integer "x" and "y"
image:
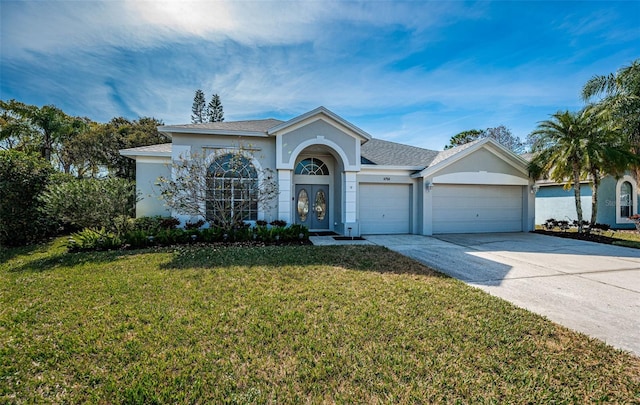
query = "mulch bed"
{"x": 591, "y": 237}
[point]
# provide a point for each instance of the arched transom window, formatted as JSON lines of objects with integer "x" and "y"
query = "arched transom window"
{"x": 232, "y": 189}
{"x": 312, "y": 166}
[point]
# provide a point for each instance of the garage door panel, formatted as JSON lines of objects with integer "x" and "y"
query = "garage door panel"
{"x": 476, "y": 208}
{"x": 384, "y": 208}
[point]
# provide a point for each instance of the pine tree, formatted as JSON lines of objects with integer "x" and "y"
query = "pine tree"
{"x": 215, "y": 113}
{"x": 199, "y": 108}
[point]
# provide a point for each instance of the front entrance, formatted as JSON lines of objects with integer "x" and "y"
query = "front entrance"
{"x": 312, "y": 206}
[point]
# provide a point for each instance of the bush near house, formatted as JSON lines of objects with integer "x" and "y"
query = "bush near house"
{"x": 23, "y": 177}
{"x": 91, "y": 203}
{"x": 163, "y": 231}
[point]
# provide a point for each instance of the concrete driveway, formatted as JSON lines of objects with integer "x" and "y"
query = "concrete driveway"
{"x": 589, "y": 287}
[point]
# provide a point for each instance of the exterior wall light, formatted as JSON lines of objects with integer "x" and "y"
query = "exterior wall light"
{"x": 428, "y": 186}
{"x": 535, "y": 188}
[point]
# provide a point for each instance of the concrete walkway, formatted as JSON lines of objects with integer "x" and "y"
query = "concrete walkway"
{"x": 589, "y": 287}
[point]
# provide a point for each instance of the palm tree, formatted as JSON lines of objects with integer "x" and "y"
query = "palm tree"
{"x": 559, "y": 149}
{"x": 620, "y": 98}
{"x": 606, "y": 151}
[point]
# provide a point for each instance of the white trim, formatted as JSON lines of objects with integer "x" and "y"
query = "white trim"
{"x": 292, "y": 124}
{"x": 154, "y": 159}
{"x": 634, "y": 194}
{"x": 168, "y": 130}
{"x": 481, "y": 178}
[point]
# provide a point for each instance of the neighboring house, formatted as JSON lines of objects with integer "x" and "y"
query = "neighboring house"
{"x": 617, "y": 200}
{"x": 354, "y": 183}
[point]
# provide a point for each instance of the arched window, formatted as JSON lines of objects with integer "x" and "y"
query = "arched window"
{"x": 232, "y": 189}
{"x": 312, "y": 166}
{"x": 626, "y": 199}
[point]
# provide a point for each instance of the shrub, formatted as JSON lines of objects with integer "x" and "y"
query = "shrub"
{"x": 194, "y": 225}
{"x": 153, "y": 225}
{"x": 278, "y": 222}
{"x": 23, "y": 178}
{"x": 93, "y": 239}
{"x": 91, "y": 203}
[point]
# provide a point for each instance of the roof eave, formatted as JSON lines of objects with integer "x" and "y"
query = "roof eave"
{"x": 203, "y": 131}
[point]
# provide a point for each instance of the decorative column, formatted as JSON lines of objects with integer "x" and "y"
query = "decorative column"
{"x": 350, "y": 197}
{"x": 285, "y": 195}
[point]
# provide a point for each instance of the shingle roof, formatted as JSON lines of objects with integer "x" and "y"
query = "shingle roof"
{"x": 244, "y": 126}
{"x": 386, "y": 153}
{"x": 162, "y": 148}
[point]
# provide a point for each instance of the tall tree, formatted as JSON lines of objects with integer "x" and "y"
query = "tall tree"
{"x": 501, "y": 134}
{"x": 620, "y": 99}
{"x": 215, "y": 112}
{"x": 559, "y": 152}
{"x": 606, "y": 152}
{"x": 504, "y": 136}
{"x": 121, "y": 133}
{"x": 198, "y": 109}
{"x": 465, "y": 137}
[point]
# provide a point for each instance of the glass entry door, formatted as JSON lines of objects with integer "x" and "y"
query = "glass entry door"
{"x": 312, "y": 206}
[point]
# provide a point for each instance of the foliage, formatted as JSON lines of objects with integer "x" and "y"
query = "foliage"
{"x": 215, "y": 111}
{"x": 195, "y": 191}
{"x": 310, "y": 324}
{"x": 152, "y": 225}
{"x": 575, "y": 146}
{"x": 501, "y": 134}
{"x": 73, "y": 144}
{"x": 558, "y": 147}
{"x": 93, "y": 239}
{"x": 91, "y": 203}
{"x": 23, "y": 177}
{"x": 121, "y": 133}
{"x": 620, "y": 97}
{"x": 198, "y": 109}
{"x": 195, "y": 224}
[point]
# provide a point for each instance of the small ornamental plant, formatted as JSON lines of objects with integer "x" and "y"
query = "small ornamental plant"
{"x": 636, "y": 220}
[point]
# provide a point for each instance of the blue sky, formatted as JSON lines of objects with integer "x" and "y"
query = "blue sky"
{"x": 414, "y": 72}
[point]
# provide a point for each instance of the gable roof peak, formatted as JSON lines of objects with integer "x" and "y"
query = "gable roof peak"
{"x": 321, "y": 110}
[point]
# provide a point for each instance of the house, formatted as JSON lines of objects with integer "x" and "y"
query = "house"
{"x": 333, "y": 176}
{"x": 617, "y": 200}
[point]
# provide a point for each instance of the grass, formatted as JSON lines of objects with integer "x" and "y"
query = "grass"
{"x": 347, "y": 324}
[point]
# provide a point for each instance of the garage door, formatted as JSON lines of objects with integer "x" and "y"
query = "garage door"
{"x": 476, "y": 208}
{"x": 384, "y": 208}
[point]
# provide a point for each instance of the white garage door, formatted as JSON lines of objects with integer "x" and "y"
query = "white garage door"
{"x": 384, "y": 208}
{"x": 476, "y": 208}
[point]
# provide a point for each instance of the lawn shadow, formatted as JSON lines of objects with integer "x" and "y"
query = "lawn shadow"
{"x": 353, "y": 257}
{"x": 66, "y": 259}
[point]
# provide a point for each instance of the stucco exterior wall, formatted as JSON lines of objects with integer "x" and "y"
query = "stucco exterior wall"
{"x": 481, "y": 160}
{"x": 147, "y": 174}
{"x": 262, "y": 149}
{"x": 292, "y": 140}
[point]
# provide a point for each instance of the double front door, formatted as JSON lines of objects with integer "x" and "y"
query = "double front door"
{"x": 312, "y": 206}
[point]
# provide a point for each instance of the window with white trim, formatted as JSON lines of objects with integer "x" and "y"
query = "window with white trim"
{"x": 312, "y": 166}
{"x": 232, "y": 189}
{"x": 626, "y": 199}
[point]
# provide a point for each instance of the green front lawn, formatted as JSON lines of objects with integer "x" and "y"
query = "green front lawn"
{"x": 349, "y": 324}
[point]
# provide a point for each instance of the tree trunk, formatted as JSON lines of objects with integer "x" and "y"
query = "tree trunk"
{"x": 576, "y": 192}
